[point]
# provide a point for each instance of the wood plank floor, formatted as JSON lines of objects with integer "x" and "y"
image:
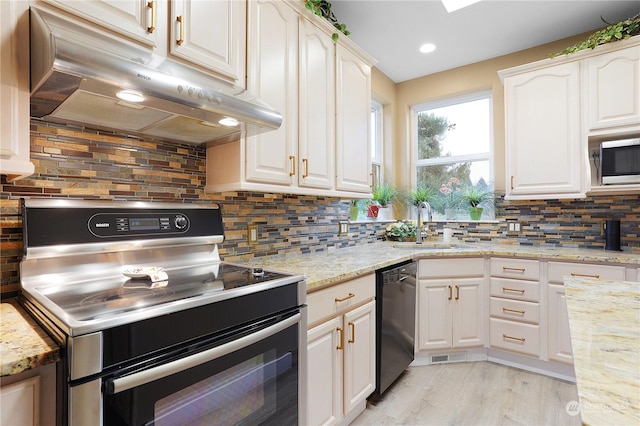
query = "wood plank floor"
{"x": 472, "y": 393}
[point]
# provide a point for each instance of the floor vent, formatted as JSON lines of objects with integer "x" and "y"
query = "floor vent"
{"x": 455, "y": 357}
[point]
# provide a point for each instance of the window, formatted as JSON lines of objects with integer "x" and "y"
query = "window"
{"x": 453, "y": 141}
{"x": 376, "y": 141}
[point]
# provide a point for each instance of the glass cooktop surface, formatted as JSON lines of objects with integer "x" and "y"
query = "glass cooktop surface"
{"x": 107, "y": 297}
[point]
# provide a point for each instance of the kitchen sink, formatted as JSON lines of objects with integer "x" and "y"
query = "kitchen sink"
{"x": 428, "y": 245}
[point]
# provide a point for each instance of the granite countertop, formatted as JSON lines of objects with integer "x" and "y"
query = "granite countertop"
{"x": 329, "y": 267}
{"x": 604, "y": 319}
{"x": 23, "y": 344}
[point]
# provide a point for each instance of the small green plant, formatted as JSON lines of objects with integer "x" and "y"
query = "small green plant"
{"x": 384, "y": 193}
{"x": 613, "y": 32}
{"x": 474, "y": 196}
{"x": 323, "y": 8}
{"x": 401, "y": 230}
{"x": 420, "y": 194}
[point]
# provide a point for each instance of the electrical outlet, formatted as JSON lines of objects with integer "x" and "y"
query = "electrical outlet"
{"x": 514, "y": 227}
{"x": 603, "y": 226}
{"x": 343, "y": 228}
{"x": 252, "y": 234}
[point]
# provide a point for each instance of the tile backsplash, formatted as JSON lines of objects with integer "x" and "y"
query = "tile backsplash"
{"x": 72, "y": 162}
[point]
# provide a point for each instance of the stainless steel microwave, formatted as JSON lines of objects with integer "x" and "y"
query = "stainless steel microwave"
{"x": 620, "y": 161}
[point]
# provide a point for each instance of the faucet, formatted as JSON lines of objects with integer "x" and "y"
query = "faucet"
{"x": 421, "y": 206}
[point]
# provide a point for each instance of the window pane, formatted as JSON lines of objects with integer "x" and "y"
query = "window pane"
{"x": 459, "y": 129}
{"x": 468, "y": 173}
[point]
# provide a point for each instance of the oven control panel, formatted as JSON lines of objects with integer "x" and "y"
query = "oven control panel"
{"x": 113, "y": 224}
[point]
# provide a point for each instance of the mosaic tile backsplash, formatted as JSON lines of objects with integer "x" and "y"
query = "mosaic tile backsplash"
{"x": 72, "y": 162}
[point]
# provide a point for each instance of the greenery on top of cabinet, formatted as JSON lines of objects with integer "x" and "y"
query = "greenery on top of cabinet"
{"x": 613, "y": 32}
{"x": 323, "y": 8}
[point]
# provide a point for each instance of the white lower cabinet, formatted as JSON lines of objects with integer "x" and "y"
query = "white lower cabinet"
{"x": 559, "y": 336}
{"x": 20, "y": 403}
{"x": 450, "y": 303}
{"x": 341, "y": 350}
{"x": 514, "y": 323}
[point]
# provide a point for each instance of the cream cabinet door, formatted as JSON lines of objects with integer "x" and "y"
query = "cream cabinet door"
{"x": 613, "y": 92}
{"x": 359, "y": 355}
{"x": 272, "y": 76}
{"x": 211, "y": 34}
{"x": 543, "y": 140}
{"x": 558, "y": 320}
{"x": 324, "y": 373}
{"x": 141, "y": 20}
{"x": 20, "y": 403}
{"x": 353, "y": 116}
{"x": 468, "y": 317}
{"x": 14, "y": 90}
{"x": 316, "y": 107}
{"x": 434, "y": 314}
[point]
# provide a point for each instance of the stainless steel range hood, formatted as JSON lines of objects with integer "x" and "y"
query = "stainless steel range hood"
{"x": 78, "y": 74}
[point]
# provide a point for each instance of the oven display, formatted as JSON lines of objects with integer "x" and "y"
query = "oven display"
{"x": 144, "y": 224}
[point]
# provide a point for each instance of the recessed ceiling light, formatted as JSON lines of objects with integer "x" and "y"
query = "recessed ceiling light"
{"x": 130, "y": 95}
{"x": 427, "y": 48}
{"x": 228, "y": 121}
{"x": 453, "y": 5}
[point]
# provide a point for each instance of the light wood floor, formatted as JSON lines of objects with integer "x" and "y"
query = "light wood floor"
{"x": 472, "y": 393}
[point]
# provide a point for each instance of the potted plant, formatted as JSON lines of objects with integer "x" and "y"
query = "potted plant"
{"x": 383, "y": 195}
{"x": 477, "y": 198}
{"x": 449, "y": 197}
{"x": 420, "y": 194}
{"x": 401, "y": 231}
{"x": 357, "y": 206}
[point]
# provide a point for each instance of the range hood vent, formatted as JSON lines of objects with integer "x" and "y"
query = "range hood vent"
{"x": 78, "y": 73}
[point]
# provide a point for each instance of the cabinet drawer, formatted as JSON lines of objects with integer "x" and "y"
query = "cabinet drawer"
{"x": 439, "y": 268}
{"x": 559, "y": 270}
{"x": 514, "y": 310}
{"x": 329, "y": 301}
{"x": 515, "y": 336}
{"x": 515, "y": 289}
{"x": 515, "y": 268}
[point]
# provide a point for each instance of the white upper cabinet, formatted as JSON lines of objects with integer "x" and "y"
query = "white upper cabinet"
{"x": 14, "y": 90}
{"x": 613, "y": 89}
{"x": 210, "y": 34}
{"x": 558, "y": 110}
{"x": 543, "y": 138}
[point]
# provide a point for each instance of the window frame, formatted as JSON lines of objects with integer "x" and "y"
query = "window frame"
{"x": 376, "y": 135}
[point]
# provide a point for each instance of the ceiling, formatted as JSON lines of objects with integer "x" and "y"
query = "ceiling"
{"x": 393, "y": 30}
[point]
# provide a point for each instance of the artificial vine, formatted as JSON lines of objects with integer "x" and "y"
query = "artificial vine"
{"x": 613, "y": 32}
{"x": 323, "y": 8}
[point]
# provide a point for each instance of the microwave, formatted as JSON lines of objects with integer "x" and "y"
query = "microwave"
{"x": 620, "y": 161}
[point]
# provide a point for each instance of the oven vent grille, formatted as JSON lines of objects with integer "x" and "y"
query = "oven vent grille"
{"x": 444, "y": 358}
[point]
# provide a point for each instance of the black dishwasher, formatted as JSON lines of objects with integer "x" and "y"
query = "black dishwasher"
{"x": 395, "y": 322}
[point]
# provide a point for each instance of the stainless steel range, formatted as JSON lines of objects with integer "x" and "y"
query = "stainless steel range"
{"x": 154, "y": 327}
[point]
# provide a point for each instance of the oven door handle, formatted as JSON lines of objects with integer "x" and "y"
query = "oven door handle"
{"x": 114, "y": 386}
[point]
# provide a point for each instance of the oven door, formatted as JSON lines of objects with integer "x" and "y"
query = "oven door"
{"x": 254, "y": 378}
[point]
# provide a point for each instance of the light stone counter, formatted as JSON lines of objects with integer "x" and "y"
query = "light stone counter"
{"x": 604, "y": 319}
{"x": 333, "y": 266}
{"x": 23, "y": 344}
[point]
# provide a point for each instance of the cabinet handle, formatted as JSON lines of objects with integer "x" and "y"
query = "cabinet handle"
{"x": 352, "y": 326}
{"x": 306, "y": 168}
{"x": 575, "y": 274}
{"x": 519, "y": 339}
{"x": 345, "y": 298}
{"x": 512, "y": 182}
{"x": 457, "y": 292}
{"x": 293, "y": 165}
{"x": 340, "y": 339}
{"x": 515, "y": 311}
{"x": 152, "y": 5}
{"x": 180, "y": 20}
{"x": 506, "y": 268}
{"x": 515, "y": 290}
{"x": 450, "y": 292}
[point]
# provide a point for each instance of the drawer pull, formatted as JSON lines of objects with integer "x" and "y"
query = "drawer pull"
{"x": 457, "y": 292}
{"x": 450, "y": 292}
{"x": 575, "y": 274}
{"x": 345, "y": 298}
{"x": 506, "y": 268}
{"x": 182, "y": 23}
{"x": 293, "y": 165}
{"x": 340, "y": 339}
{"x": 514, "y": 290}
{"x": 519, "y": 339}
{"x": 515, "y": 311}
{"x": 152, "y": 5}
{"x": 306, "y": 168}
{"x": 352, "y": 339}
